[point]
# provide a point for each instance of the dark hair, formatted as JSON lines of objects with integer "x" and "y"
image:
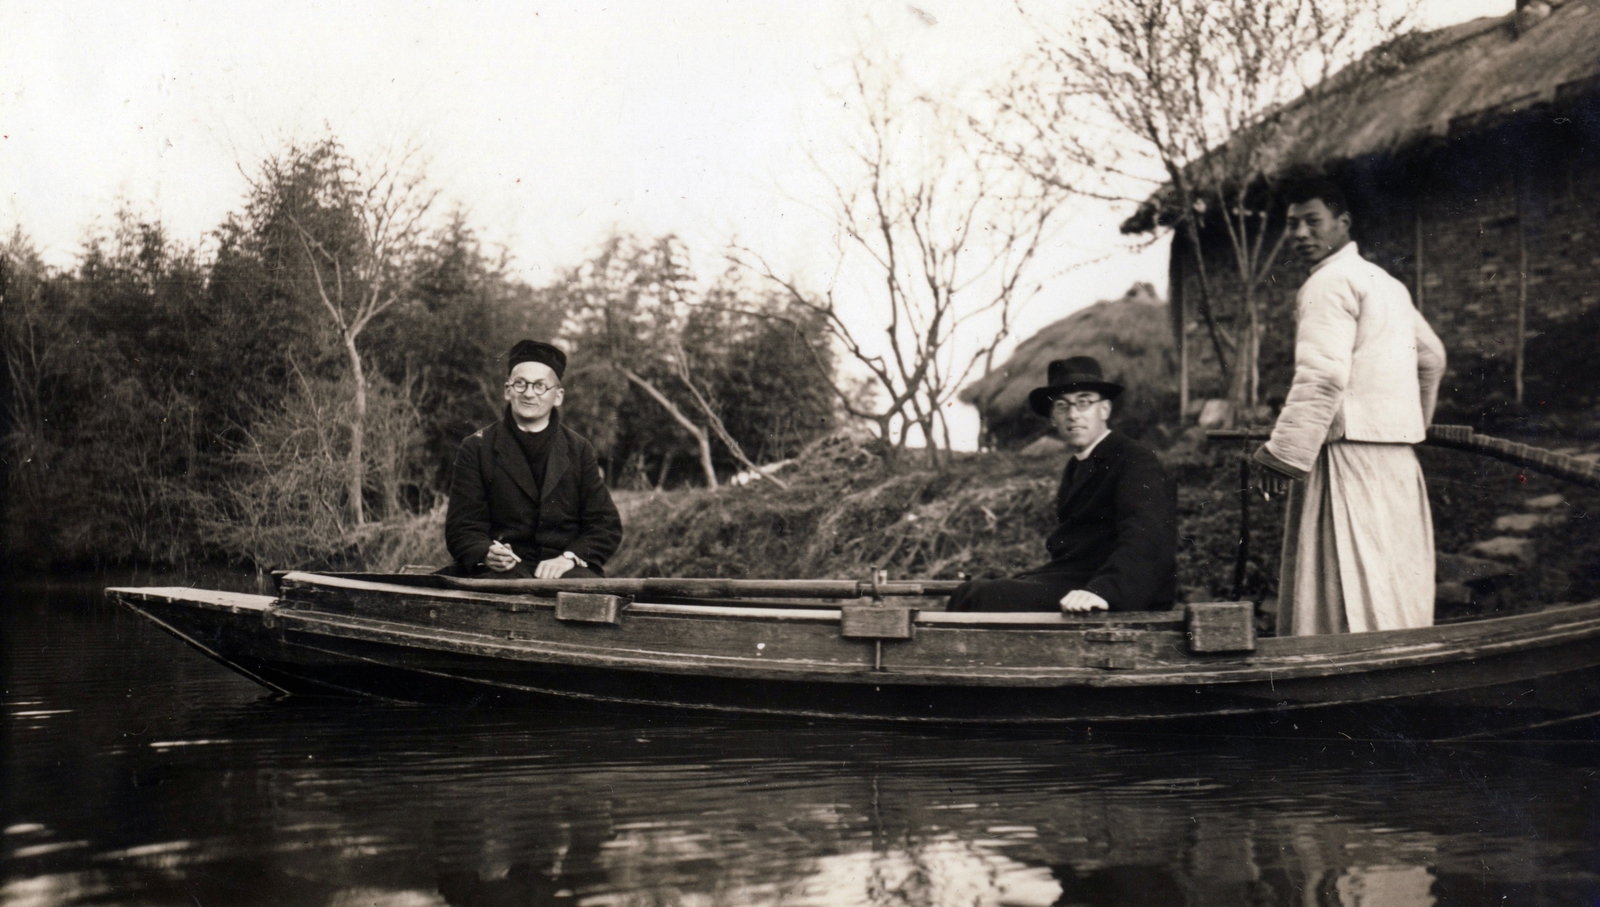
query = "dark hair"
{"x": 1308, "y": 189}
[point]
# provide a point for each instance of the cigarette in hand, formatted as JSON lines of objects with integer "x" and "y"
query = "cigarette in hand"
{"x": 502, "y": 546}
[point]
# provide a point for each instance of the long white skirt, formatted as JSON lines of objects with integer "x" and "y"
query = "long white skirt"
{"x": 1358, "y": 545}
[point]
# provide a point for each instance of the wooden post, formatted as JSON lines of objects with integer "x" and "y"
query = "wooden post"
{"x": 1244, "y": 523}
{"x": 1183, "y": 374}
{"x": 1522, "y": 284}
{"x": 1180, "y": 316}
{"x": 1419, "y": 291}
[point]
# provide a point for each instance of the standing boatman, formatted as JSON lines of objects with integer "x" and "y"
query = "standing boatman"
{"x": 527, "y": 499}
{"x": 1358, "y": 545}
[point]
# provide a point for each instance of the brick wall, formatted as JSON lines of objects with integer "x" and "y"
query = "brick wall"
{"x": 1475, "y": 203}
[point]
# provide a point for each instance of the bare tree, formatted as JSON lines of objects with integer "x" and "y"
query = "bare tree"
{"x": 1212, "y": 95}
{"x": 280, "y": 505}
{"x": 947, "y": 229}
{"x": 357, "y": 234}
{"x": 701, "y": 439}
{"x": 28, "y": 344}
{"x": 679, "y": 362}
{"x": 627, "y": 308}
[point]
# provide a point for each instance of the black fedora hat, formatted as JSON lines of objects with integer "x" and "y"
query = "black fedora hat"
{"x": 1080, "y": 373}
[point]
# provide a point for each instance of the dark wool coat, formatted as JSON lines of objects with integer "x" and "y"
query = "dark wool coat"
{"x": 1118, "y": 527}
{"x": 493, "y": 498}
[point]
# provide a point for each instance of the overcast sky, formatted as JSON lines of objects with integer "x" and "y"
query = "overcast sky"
{"x": 550, "y": 123}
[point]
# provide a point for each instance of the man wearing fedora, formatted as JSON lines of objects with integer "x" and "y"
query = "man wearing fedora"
{"x": 527, "y": 499}
{"x": 1115, "y": 543}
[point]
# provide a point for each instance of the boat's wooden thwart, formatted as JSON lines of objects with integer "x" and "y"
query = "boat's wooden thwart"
{"x": 412, "y": 638}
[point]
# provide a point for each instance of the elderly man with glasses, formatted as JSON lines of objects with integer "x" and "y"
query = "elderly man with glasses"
{"x": 1115, "y": 543}
{"x": 527, "y": 498}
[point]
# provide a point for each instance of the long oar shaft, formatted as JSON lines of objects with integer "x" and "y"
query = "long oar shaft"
{"x": 711, "y": 588}
{"x": 1463, "y": 438}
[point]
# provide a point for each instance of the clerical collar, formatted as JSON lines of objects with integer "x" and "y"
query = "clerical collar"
{"x": 1090, "y": 449}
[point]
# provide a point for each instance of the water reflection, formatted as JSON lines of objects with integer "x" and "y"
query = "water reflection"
{"x": 158, "y": 778}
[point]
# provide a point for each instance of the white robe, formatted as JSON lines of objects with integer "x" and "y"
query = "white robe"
{"x": 1358, "y": 546}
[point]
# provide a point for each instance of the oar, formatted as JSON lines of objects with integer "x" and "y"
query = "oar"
{"x": 1462, "y": 437}
{"x": 710, "y": 588}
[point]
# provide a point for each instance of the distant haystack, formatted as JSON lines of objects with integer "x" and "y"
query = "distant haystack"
{"x": 1132, "y": 338}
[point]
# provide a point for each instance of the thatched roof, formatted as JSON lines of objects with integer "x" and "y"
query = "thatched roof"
{"x": 1132, "y": 338}
{"x": 1444, "y": 83}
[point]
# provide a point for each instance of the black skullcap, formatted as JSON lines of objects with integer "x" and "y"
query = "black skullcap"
{"x": 537, "y": 351}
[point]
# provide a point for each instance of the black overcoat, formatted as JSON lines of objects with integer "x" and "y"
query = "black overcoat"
{"x": 1117, "y": 526}
{"x": 493, "y": 498}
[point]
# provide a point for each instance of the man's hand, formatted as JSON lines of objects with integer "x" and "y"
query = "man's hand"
{"x": 500, "y": 557}
{"x": 1080, "y": 601}
{"x": 1271, "y": 481}
{"x": 553, "y": 568}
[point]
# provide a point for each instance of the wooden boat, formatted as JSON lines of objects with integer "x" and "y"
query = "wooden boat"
{"x": 879, "y": 651}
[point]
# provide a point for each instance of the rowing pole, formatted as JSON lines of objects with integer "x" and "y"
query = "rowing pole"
{"x": 689, "y": 587}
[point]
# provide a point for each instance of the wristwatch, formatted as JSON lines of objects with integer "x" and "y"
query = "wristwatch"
{"x": 575, "y": 559}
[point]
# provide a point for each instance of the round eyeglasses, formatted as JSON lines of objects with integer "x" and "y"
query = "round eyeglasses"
{"x": 1079, "y": 404}
{"x": 537, "y": 388}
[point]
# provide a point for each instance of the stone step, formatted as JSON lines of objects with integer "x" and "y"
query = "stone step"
{"x": 1467, "y": 570}
{"x": 1545, "y": 502}
{"x": 1527, "y": 522}
{"x": 1507, "y": 548}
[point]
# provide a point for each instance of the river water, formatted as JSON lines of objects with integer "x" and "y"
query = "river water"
{"x": 138, "y": 772}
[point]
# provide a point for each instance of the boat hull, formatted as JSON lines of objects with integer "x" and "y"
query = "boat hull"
{"x": 372, "y": 639}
